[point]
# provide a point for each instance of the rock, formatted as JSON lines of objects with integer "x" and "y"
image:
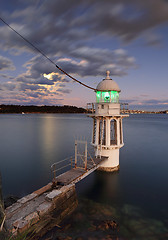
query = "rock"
{"x": 32, "y": 218}
{"x": 8, "y": 201}
{"x": 67, "y": 227}
{"x": 44, "y": 208}
{"x": 112, "y": 224}
{"x": 52, "y": 195}
{"x": 92, "y": 228}
{"x": 68, "y": 238}
{"x": 27, "y": 198}
{"x": 108, "y": 224}
{"x": 11, "y": 210}
{"x": 79, "y": 216}
{"x": 21, "y": 225}
{"x": 60, "y": 238}
{"x": 103, "y": 226}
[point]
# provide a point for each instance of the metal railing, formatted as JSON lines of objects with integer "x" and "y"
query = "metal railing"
{"x": 91, "y": 106}
{"x": 81, "y": 160}
{"x": 55, "y": 167}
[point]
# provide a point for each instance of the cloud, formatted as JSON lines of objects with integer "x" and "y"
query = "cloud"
{"x": 68, "y": 31}
{"x": 153, "y": 39}
{"x": 8, "y": 86}
{"x": 33, "y": 87}
{"x": 62, "y": 90}
{"x": 139, "y": 102}
{"x": 57, "y": 27}
{"x": 6, "y": 64}
{"x": 156, "y": 102}
{"x": 95, "y": 61}
{"x": 85, "y": 61}
{"x": 24, "y": 86}
{"x": 5, "y": 76}
{"x": 36, "y": 68}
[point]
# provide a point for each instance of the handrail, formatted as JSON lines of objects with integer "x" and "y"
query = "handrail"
{"x": 63, "y": 167}
{"x": 55, "y": 169}
{"x": 92, "y": 106}
{"x": 78, "y": 161}
{"x": 62, "y": 160}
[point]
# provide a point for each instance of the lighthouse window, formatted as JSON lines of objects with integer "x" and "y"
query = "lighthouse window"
{"x": 102, "y": 132}
{"x": 94, "y": 130}
{"x": 113, "y": 132}
{"x": 100, "y": 127}
{"x": 98, "y": 96}
{"x": 114, "y": 96}
{"x": 121, "y": 132}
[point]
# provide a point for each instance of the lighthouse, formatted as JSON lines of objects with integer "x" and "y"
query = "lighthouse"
{"x": 107, "y": 136}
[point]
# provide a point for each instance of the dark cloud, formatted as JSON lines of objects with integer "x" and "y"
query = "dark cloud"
{"x": 9, "y": 86}
{"x": 156, "y": 102}
{"x": 62, "y": 90}
{"x": 6, "y": 64}
{"x": 95, "y": 61}
{"x": 7, "y": 76}
{"x": 36, "y": 67}
{"x": 23, "y": 87}
{"x": 57, "y": 27}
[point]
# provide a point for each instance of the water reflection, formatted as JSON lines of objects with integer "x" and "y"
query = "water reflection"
{"x": 48, "y": 141}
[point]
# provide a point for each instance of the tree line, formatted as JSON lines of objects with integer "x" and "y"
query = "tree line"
{"x": 40, "y": 109}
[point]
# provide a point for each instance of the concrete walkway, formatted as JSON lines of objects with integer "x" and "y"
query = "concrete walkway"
{"x": 48, "y": 205}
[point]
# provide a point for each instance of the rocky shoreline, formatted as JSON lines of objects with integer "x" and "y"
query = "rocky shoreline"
{"x": 94, "y": 222}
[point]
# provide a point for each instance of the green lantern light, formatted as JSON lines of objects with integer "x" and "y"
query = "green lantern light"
{"x": 98, "y": 96}
{"x": 114, "y": 96}
{"x": 107, "y": 96}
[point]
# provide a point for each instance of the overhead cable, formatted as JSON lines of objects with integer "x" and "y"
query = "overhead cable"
{"x": 42, "y": 53}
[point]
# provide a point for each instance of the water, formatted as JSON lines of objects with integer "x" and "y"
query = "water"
{"x": 137, "y": 196}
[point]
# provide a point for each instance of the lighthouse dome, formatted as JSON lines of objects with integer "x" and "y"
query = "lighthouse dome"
{"x": 108, "y": 84}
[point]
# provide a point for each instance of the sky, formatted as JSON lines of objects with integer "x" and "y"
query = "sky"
{"x": 85, "y": 38}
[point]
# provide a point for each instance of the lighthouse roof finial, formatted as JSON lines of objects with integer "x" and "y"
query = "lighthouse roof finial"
{"x": 108, "y": 84}
{"x": 108, "y": 75}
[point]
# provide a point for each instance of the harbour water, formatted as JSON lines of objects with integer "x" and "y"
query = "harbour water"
{"x": 136, "y": 197}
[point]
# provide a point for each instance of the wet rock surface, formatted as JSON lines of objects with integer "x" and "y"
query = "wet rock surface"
{"x": 92, "y": 222}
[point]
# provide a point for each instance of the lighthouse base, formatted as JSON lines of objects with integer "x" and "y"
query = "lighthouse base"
{"x": 109, "y": 169}
{"x": 111, "y": 164}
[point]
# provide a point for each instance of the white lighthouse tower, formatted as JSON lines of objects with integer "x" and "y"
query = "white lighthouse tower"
{"x": 107, "y": 137}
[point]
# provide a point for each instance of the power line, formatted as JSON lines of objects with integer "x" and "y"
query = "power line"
{"x": 42, "y": 53}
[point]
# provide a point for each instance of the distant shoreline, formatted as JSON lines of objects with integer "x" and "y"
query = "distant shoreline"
{"x": 21, "y": 109}
{"x": 32, "y": 109}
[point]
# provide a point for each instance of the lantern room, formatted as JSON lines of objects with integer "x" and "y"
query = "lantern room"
{"x": 107, "y": 97}
{"x": 107, "y": 91}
